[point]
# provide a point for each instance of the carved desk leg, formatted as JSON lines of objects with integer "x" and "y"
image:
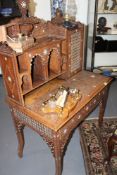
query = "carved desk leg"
{"x": 20, "y": 136}
{"x": 58, "y": 155}
{"x": 58, "y": 162}
{"x": 102, "y": 106}
{"x": 61, "y": 139}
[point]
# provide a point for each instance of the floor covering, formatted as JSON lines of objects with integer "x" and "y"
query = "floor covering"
{"x": 94, "y": 141}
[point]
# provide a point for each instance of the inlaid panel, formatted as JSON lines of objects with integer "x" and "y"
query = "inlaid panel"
{"x": 75, "y": 51}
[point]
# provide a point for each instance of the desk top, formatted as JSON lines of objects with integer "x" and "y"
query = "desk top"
{"x": 88, "y": 83}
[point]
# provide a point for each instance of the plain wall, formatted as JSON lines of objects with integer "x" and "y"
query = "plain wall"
{"x": 43, "y": 9}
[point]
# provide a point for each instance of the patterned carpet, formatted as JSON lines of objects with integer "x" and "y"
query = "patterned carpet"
{"x": 94, "y": 146}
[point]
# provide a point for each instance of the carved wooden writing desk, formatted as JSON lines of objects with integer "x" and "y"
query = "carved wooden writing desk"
{"x": 32, "y": 76}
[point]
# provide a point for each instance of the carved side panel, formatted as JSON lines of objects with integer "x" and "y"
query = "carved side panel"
{"x": 74, "y": 51}
{"x": 9, "y": 70}
{"x": 75, "y": 48}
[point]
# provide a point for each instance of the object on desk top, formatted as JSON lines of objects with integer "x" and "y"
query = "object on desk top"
{"x": 106, "y": 73}
{"x": 110, "y": 71}
{"x": 61, "y": 103}
{"x": 20, "y": 43}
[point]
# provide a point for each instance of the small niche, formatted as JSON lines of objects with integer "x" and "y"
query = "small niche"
{"x": 43, "y": 68}
{"x": 54, "y": 62}
{"x": 38, "y": 69}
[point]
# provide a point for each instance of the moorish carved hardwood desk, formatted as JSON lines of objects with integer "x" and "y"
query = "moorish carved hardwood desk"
{"x": 35, "y": 74}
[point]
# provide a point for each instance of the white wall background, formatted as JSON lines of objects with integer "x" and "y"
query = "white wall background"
{"x": 105, "y": 59}
{"x": 82, "y": 13}
{"x": 43, "y": 10}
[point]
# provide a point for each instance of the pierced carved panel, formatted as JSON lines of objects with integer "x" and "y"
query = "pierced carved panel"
{"x": 43, "y": 130}
{"x": 75, "y": 51}
{"x": 9, "y": 73}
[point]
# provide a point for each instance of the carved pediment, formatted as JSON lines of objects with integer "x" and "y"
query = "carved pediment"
{"x": 28, "y": 20}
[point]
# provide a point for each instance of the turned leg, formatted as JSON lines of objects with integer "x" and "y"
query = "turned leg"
{"x": 58, "y": 155}
{"x": 102, "y": 106}
{"x": 58, "y": 163}
{"x": 20, "y": 136}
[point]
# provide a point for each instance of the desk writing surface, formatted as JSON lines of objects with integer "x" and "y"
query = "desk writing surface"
{"x": 88, "y": 83}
